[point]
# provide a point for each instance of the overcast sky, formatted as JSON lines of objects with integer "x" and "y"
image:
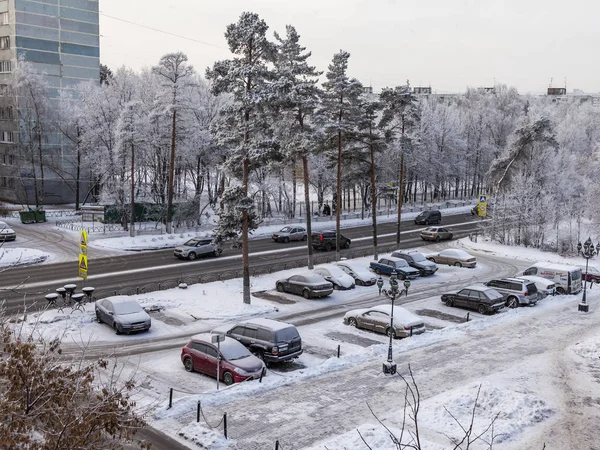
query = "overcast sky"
{"x": 446, "y": 44}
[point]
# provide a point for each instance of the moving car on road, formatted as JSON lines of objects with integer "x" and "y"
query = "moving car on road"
{"x": 417, "y": 260}
{"x": 287, "y": 234}
{"x": 200, "y": 246}
{"x": 377, "y": 319}
{"x": 270, "y": 340}
{"x": 436, "y": 234}
{"x": 6, "y": 232}
{"x": 124, "y": 315}
{"x": 483, "y": 299}
{"x": 453, "y": 257}
{"x": 326, "y": 241}
{"x": 335, "y": 275}
{"x": 433, "y": 216}
{"x": 306, "y": 284}
{"x": 390, "y": 264}
{"x": 362, "y": 276}
{"x": 237, "y": 363}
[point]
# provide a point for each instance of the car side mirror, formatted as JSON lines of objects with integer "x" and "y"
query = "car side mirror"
{"x": 110, "y": 313}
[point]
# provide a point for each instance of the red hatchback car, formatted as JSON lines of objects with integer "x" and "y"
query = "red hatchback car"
{"x": 237, "y": 363}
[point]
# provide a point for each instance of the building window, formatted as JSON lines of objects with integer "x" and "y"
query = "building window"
{"x": 4, "y": 18}
{"x": 4, "y": 42}
{"x": 6, "y": 136}
{"x": 6, "y": 113}
{"x": 3, "y": 89}
{"x": 5, "y": 66}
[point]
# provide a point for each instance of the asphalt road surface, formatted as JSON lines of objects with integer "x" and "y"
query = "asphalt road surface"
{"x": 126, "y": 274}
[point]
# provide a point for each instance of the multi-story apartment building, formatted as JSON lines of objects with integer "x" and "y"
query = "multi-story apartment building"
{"x": 59, "y": 38}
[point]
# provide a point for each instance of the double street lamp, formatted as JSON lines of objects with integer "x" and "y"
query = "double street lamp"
{"x": 588, "y": 251}
{"x": 392, "y": 293}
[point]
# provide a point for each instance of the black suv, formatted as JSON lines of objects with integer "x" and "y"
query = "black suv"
{"x": 418, "y": 261}
{"x": 429, "y": 217}
{"x": 326, "y": 241}
{"x": 270, "y": 340}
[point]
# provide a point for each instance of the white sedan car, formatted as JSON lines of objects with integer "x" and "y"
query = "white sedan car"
{"x": 335, "y": 275}
{"x": 6, "y": 232}
{"x": 362, "y": 276}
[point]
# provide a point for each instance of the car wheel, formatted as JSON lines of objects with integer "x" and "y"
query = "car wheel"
{"x": 286, "y": 240}
{"x": 336, "y": 287}
{"x": 98, "y": 317}
{"x": 217, "y": 252}
{"x": 450, "y": 237}
{"x": 437, "y": 239}
{"x": 512, "y": 302}
{"x": 191, "y": 256}
{"x": 560, "y": 291}
{"x": 457, "y": 264}
{"x": 116, "y": 328}
{"x": 306, "y": 294}
{"x": 347, "y": 244}
{"x": 352, "y": 322}
{"x": 378, "y": 271}
{"x": 328, "y": 247}
{"x": 188, "y": 364}
{"x": 449, "y": 302}
{"x": 228, "y": 378}
{"x": 391, "y": 332}
{"x": 481, "y": 309}
{"x": 304, "y": 238}
{"x": 280, "y": 287}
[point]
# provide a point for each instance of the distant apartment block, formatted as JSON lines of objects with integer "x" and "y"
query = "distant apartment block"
{"x": 422, "y": 90}
{"x": 60, "y": 38}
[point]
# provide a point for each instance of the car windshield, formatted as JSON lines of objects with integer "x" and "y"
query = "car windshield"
{"x": 232, "y": 350}
{"x": 127, "y": 308}
{"x": 492, "y": 294}
{"x": 417, "y": 257}
{"x": 401, "y": 263}
{"x": 192, "y": 242}
{"x": 285, "y": 230}
{"x": 576, "y": 275}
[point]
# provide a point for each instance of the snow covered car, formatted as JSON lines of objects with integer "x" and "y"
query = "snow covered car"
{"x": 335, "y": 275}
{"x": 362, "y": 276}
{"x": 287, "y": 234}
{"x": 377, "y": 319}
{"x": 123, "y": 315}
{"x": 6, "y": 232}
{"x": 306, "y": 284}
{"x": 196, "y": 247}
{"x": 453, "y": 257}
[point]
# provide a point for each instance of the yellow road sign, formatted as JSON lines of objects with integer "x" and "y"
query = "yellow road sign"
{"x": 82, "y": 249}
{"x": 83, "y": 274}
{"x": 83, "y": 237}
{"x": 83, "y": 262}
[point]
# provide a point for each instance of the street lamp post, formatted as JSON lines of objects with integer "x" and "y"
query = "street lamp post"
{"x": 588, "y": 251}
{"x": 392, "y": 293}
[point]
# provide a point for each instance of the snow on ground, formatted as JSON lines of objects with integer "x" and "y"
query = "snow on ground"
{"x": 21, "y": 256}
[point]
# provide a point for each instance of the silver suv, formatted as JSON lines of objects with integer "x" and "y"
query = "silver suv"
{"x": 516, "y": 291}
{"x": 196, "y": 247}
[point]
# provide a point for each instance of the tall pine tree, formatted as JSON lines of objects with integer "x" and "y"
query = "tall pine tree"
{"x": 247, "y": 77}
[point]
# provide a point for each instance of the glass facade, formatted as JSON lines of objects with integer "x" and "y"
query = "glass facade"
{"x": 59, "y": 38}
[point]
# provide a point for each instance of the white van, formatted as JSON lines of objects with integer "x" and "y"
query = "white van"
{"x": 544, "y": 286}
{"x": 567, "y": 278}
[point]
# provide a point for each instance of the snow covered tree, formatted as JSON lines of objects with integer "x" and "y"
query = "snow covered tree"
{"x": 339, "y": 115}
{"x": 246, "y": 77}
{"x": 297, "y": 95}
{"x": 174, "y": 70}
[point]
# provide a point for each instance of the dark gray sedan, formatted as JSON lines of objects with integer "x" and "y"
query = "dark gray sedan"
{"x": 307, "y": 284}
{"x": 123, "y": 315}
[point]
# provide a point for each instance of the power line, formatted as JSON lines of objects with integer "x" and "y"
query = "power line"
{"x": 164, "y": 32}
